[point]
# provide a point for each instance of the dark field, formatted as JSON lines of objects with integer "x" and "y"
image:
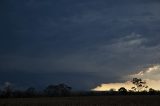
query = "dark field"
{"x": 84, "y": 101}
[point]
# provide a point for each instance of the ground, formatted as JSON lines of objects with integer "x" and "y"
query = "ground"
{"x": 84, "y": 101}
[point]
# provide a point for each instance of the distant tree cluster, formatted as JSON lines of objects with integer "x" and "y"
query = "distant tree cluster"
{"x": 58, "y": 90}
{"x": 140, "y": 88}
{"x": 49, "y": 91}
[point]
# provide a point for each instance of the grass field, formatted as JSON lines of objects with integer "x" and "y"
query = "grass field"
{"x": 84, "y": 101}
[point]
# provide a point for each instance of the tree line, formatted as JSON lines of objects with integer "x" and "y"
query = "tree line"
{"x": 49, "y": 91}
{"x": 140, "y": 88}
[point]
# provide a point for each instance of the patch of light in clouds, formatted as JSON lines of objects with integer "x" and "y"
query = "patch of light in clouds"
{"x": 151, "y": 75}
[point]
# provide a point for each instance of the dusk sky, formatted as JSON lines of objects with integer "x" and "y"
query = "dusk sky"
{"x": 83, "y": 43}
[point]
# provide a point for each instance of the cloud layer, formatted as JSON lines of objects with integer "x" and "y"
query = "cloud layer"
{"x": 106, "y": 38}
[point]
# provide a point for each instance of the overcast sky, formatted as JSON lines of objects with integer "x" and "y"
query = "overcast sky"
{"x": 82, "y": 43}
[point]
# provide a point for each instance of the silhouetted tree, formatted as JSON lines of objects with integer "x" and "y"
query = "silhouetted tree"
{"x": 8, "y": 90}
{"x": 152, "y": 91}
{"x": 57, "y": 90}
{"x": 30, "y": 92}
{"x": 19, "y": 93}
{"x": 139, "y": 84}
{"x": 50, "y": 90}
{"x": 63, "y": 89}
{"x": 122, "y": 90}
{"x": 1, "y": 92}
{"x": 112, "y": 90}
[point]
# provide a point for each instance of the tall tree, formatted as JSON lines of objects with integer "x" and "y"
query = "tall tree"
{"x": 139, "y": 84}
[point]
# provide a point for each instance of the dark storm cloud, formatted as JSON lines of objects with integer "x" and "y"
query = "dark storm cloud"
{"x": 96, "y": 38}
{"x": 78, "y": 80}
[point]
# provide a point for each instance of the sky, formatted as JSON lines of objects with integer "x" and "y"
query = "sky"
{"x": 83, "y": 43}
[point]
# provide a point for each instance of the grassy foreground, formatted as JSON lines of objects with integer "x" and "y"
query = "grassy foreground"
{"x": 84, "y": 101}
